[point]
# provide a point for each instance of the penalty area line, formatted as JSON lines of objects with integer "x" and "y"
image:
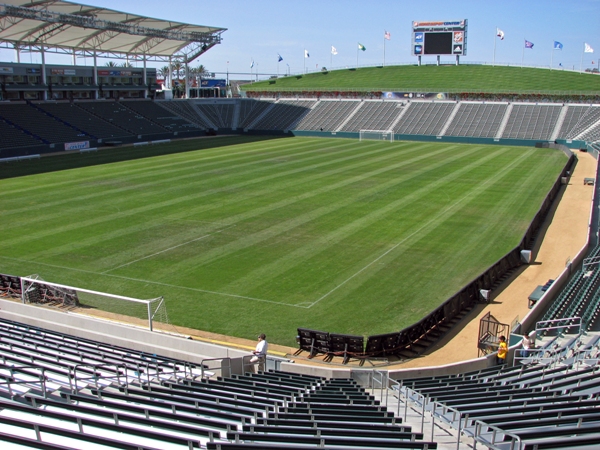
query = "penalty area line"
{"x": 157, "y": 283}
{"x": 375, "y": 260}
{"x": 166, "y": 250}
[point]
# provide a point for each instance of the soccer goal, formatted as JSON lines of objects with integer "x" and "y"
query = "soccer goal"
{"x": 35, "y": 290}
{"x": 376, "y": 135}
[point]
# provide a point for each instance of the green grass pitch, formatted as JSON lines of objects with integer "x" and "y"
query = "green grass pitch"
{"x": 266, "y": 235}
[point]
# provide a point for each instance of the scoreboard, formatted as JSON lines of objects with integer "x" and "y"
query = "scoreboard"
{"x": 439, "y": 38}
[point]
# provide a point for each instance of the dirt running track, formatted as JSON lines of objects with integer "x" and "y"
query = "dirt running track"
{"x": 561, "y": 238}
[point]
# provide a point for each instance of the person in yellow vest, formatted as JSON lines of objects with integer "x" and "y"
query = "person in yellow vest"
{"x": 502, "y": 350}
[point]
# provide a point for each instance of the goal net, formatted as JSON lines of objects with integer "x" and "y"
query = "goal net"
{"x": 376, "y": 135}
{"x": 35, "y": 290}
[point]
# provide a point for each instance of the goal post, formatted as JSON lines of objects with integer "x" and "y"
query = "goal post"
{"x": 376, "y": 135}
{"x": 35, "y": 290}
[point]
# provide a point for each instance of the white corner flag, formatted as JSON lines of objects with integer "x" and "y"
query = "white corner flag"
{"x": 587, "y": 48}
{"x": 500, "y": 33}
{"x": 306, "y": 55}
{"x": 333, "y": 50}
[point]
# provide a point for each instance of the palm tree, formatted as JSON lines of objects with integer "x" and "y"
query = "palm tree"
{"x": 164, "y": 72}
{"x": 201, "y": 70}
{"x": 176, "y": 69}
{"x": 112, "y": 64}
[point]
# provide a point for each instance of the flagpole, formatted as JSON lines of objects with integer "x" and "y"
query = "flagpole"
{"x": 523, "y": 53}
{"x": 304, "y": 61}
{"x": 495, "y": 36}
{"x": 384, "y": 50}
{"x": 581, "y": 65}
{"x": 357, "y": 49}
{"x": 331, "y": 57}
{"x": 551, "y": 57}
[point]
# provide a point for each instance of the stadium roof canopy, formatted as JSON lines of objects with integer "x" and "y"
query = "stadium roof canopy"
{"x": 66, "y": 27}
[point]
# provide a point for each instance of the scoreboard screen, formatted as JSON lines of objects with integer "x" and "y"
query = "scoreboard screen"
{"x": 439, "y": 38}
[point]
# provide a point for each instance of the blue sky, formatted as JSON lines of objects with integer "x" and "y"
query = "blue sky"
{"x": 260, "y": 30}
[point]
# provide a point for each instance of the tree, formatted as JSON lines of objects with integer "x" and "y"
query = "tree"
{"x": 111, "y": 64}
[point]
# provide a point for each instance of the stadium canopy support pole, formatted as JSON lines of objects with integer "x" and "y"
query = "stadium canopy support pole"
{"x": 144, "y": 77}
{"x": 187, "y": 80}
{"x": 45, "y": 93}
{"x": 95, "y": 76}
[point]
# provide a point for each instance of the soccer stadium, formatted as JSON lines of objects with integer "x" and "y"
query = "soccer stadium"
{"x": 419, "y": 243}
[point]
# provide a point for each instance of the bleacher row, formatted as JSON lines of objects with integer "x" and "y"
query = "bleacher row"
{"x": 29, "y": 124}
{"x": 581, "y": 296}
{"x": 43, "y": 123}
{"x": 59, "y": 391}
{"x": 527, "y": 406}
{"x": 432, "y": 118}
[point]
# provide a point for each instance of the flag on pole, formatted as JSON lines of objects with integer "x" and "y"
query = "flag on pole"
{"x": 587, "y": 48}
{"x": 306, "y": 55}
{"x": 528, "y": 44}
{"x": 558, "y": 45}
{"x": 387, "y": 35}
{"x": 279, "y": 58}
{"x": 252, "y": 64}
{"x": 500, "y": 33}
{"x": 333, "y": 50}
{"x": 363, "y": 48}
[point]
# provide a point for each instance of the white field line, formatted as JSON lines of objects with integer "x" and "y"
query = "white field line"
{"x": 167, "y": 249}
{"x": 374, "y": 261}
{"x": 157, "y": 283}
{"x": 443, "y": 213}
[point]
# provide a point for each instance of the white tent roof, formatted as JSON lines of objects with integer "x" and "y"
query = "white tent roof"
{"x": 74, "y": 26}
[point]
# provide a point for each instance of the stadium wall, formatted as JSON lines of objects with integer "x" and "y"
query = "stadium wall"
{"x": 453, "y": 139}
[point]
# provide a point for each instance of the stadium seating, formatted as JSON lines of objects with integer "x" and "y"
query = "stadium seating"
{"x": 373, "y": 115}
{"x": 550, "y": 405}
{"x": 327, "y": 115}
{"x": 425, "y": 118}
{"x": 282, "y": 115}
{"x": 59, "y": 391}
{"x": 14, "y": 136}
{"x": 250, "y": 110}
{"x": 151, "y": 111}
{"x": 477, "y": 120}
{"x": 535, "y": 122}
{"x": 67, "y": 122}
{"x": 219, "y": 113}
{"x": 39, "y": 124}
{"x": 80, "y": 118}
{"x": 122, "y": 117}
{"x": 187, "y": 111}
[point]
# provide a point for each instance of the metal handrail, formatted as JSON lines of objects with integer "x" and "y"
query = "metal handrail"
{"x": 73, "y": 377}
{"x": 495, "y": 430}
{"x": 42, "y": 378}
{"x": 228, "y": 359}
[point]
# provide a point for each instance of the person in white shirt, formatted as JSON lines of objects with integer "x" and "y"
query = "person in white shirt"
{"x": 260, "y": 354}
{"x": 526, "y": 345}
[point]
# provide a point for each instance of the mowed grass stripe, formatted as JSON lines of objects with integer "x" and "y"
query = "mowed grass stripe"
{"x": 193, "y": 262}
{"x": 151, "y": 175}
{"x": 123, "y": 204}
{"x": 292, "y": 261}
{"x": 154, "y": 217}
{"x": 479, "y": 247}
{"x": 208, "y": 156}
